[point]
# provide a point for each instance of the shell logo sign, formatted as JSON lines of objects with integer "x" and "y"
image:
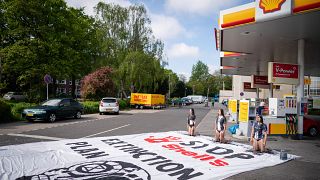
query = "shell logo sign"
{"x": 269, "y": 6}
{"x": 272, "y": 9}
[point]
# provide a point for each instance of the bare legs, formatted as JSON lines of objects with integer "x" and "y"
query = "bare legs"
{"x": 258, "y": 145}
{"x": 191, "y": 130}
{"x": 219, "y": 136}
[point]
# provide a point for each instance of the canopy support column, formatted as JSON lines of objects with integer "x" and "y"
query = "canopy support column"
{"x": 300, "y": 86}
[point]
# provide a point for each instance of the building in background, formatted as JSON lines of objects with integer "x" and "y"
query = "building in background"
{"x": 64, "y": 87}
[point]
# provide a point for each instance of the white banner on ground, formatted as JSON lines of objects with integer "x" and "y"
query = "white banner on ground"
{"x": 167, "y": 155}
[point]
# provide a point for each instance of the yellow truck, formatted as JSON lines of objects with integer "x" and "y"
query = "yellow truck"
{"x": 142, "y": 100}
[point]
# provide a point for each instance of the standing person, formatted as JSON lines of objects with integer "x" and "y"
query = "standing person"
{"x": 191, "y": 122}
{"x": 259, "y": 135}
{"x": 221, "y": 126}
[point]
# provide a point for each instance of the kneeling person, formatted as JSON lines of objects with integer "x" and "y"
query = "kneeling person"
{"x": 259, "y": 135}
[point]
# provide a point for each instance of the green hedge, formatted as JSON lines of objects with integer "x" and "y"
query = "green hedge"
{"x": 90, "y": 107}
{"x": 124, "y": 104}
{"x": 17, "y": 108}
{"x": 5, "y": 111}
{"x": 11, "y": 111}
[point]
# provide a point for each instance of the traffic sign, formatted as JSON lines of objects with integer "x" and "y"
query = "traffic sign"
{"x": 47, "y": 79}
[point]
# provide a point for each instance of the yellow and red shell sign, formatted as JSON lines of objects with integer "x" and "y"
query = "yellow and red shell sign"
{"x": 269, "y": 6}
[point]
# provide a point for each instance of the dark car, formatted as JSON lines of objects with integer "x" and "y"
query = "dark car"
{"x": 53, "y": 109}
{"x": 311, "y": 124}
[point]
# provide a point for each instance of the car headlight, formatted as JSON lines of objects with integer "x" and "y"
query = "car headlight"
{"x": 40, "y": 112}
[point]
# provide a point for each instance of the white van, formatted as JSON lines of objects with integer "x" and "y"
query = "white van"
{"x": 197, "y": 99}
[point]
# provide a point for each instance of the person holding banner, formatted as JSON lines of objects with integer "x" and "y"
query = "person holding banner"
{"x": 191, "y": 122}
{"x": 221, "y": 126}
{"x": 259, "y": 135}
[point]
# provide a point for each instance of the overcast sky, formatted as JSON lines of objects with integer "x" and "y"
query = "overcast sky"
{"x": 185, "y": 26}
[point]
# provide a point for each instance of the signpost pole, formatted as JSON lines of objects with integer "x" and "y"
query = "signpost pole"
{"x": 47, "y": 79}
{"x": 47, "y": 91}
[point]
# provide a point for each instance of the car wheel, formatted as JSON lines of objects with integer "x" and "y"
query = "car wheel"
{"x": 313, "y": 131}
{"x": 78, "y": 115}
{"x": 117, "y": 113}
{"x": 30, "y": 120}
{"x": 100, "y": 113}
{"x": 52, "y": 118}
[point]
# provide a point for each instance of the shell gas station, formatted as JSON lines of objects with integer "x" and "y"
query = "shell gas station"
{"x": 276, "y": 42}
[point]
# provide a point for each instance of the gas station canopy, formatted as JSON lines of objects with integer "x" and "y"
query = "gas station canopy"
{"x": 268, "y": 31}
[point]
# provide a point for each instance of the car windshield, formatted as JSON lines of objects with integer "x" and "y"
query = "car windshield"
{"x": 109, "y": 100}
{"x": 53, "y": 102}
{"x": 9, "y": 93}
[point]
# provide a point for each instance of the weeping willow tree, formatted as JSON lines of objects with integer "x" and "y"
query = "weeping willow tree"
{"x": 128, "y": 45}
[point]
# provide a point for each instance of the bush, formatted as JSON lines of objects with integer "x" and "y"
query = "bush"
{"x": 90, "y": 107}
{"x": 5, "y": 111}
{"x": 17, "y": 108}
{"x": 123, "y": 104}
{"x": 97, "y": 84}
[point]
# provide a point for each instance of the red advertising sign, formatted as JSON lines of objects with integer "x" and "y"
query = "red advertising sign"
{"x": 259, "y": 82}
{"x": 279, "y": 73}
{"x": 247, "y": 87}
{"x": 285, "y": 70}
{"x": 262, "y": 80}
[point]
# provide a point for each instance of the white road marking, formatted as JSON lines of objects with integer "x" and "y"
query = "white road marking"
{"x": 108, "y": 130}
{"x": 37, "y": 137}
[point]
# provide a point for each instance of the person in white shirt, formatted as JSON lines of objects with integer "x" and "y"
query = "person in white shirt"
{"x": 221, "y": 126}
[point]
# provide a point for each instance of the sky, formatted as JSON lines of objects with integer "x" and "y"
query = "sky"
{"x": 186, "y": 27}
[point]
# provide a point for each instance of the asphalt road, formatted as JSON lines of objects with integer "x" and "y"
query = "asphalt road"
{"x": 128, "y": 122}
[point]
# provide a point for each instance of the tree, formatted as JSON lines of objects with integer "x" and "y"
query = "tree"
{"x": 128, "y": 45}
{"x": 199, "y": 78}
{"x": 43, "y": 38}
{"x": 140, "y": 72}
{"x": 180, "y": 90}
{"x": 200, "y": 72}
{"x": 123, "y": 30}
{"x": 98, "y": 84}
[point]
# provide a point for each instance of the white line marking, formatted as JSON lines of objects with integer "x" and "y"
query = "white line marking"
{"x": 108, "y": 130}
{"x": 37, "y": 137}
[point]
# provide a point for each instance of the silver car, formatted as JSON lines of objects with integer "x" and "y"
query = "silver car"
{"x": 14, "y": 96}
{"x": 109, "y": 105}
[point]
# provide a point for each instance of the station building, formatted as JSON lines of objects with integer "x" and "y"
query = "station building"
{"x": 276, "y": 43}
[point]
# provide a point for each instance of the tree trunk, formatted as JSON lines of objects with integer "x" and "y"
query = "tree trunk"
{"x": 123, "y": 92}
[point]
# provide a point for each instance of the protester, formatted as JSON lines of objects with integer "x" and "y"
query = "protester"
{"x": 221, "y": 126}
{"x": 259, "y": 135}
{"x": 191, "y": 122}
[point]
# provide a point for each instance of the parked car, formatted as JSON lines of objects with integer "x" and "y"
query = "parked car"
{"x": 14, "y": 96}
{"x": 53, "y": 109}
{"x": 186, "y": 101}
{"x": 109, "y": 105}
{"x": 311, "y": 125}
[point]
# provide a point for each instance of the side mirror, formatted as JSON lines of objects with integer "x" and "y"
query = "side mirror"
{"x": 61, "y": 105}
